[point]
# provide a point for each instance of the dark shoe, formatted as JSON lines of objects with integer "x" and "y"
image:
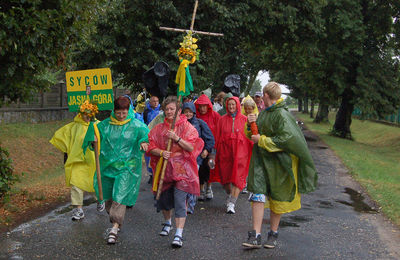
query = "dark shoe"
{"x": 272, "y": 240}
{"x": 252, "y": 241}
{"x": 177, "y": 242}
{"x": 150, "y": 181}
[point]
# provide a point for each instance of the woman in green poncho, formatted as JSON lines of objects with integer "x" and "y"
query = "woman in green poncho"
{"x": 123, "y": 139}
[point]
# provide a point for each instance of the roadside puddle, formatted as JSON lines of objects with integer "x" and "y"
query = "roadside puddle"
{"x": 357, "y": 203}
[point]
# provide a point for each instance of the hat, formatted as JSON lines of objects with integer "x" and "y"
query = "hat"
{"x": 258, "y": 93}
{"x": 156, "y": 79}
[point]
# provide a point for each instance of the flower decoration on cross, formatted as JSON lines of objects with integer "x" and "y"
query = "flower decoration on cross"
{"x": 188, "y": 53}
{"x": 189, "y": 49}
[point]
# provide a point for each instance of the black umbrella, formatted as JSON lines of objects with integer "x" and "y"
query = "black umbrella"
{"x": 156, "y": 79}
{"x": 232, "y": 85}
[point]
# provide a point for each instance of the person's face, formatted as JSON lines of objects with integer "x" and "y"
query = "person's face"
{"x": 121, "y": 114}
{"x": 203, "y": 109}
{"x": 248, "y": 110}
{"x": 170, "y": 111}
{"x": 154, "y": 102}
{"x": 231, "y": 106}
{"x": 85, "y": 118}
{"x": 265, "y": 98}
{"x": 188, "y": 113}
{"x": 257, "y": 99}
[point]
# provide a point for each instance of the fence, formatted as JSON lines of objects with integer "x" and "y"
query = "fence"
{"x": 47, "y": 106}
{"x": 394, "y": 118}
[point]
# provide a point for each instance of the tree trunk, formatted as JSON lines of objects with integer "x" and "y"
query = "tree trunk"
{"x": 252, "y": 79}
{"x": 305, "y": 110}
{"x": 322, "y": 114}
{"x": 299, "y": 104}
{"x": 341, "y": 128}
{"x": 312, "y": 109}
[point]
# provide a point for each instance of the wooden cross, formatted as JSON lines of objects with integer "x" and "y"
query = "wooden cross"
{"x": 192, "y": 25}
{"x": 164, "y": 166}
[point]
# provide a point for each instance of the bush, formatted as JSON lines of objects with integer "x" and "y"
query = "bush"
{"x": 7, "y": 179}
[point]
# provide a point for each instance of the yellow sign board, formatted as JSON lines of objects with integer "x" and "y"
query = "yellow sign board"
{"x": 97, "y": 79}
{"x": 95, "y": 84}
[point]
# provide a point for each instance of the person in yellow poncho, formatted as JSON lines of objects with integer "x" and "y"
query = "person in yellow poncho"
{"x": 79, "y": 167}
{"x": 248, "y": 107}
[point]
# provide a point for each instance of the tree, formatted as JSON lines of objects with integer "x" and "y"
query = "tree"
{"x": 35, "y": 39}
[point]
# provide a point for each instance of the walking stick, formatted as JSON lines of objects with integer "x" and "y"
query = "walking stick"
{"x": 160, "y": 184}
{"x": 96, "y": 155}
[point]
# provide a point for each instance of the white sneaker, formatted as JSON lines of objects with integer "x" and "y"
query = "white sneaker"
{"x": 230, "y": 208}
{"x": 209, "y": 193}
{"x": 77, "y": 214}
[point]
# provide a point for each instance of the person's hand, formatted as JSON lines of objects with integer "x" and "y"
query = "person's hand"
{"x": 171, "y": 134}
{"x": 166, "y": 155}
{"x": 144, "y": 146}
{"x": 255, "y": 138}
{"x": 204, "y": 154}
{"x": 252, "y": 118}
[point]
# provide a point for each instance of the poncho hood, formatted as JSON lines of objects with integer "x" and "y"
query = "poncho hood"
{"x": 238, "y": 110}
{"x": 189, "y": 105}
{"x": 204, "y": 100}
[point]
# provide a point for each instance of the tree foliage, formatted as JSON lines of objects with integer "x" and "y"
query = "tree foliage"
{"x": 36, "y": 37}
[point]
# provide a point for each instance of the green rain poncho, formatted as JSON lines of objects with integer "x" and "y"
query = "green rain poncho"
{"x": 271, "y": 173}
{"x": 121, "y": 158}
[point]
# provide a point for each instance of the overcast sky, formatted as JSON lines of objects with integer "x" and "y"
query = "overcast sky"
{"x": 264, "y": 78}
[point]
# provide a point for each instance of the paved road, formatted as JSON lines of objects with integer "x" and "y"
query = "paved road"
{"x": 335, "y": 222}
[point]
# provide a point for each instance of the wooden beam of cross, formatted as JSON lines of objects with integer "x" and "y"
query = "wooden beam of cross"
{"x": 191, "y": 26}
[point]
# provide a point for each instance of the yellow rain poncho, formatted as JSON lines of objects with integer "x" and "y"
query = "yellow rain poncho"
{"x": 79, "y": 168}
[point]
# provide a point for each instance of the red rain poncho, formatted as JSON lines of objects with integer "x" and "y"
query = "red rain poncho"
{"x": 233, "y": 148}
{"x": 181, "y": 170}
{"x": 211, "y": 118}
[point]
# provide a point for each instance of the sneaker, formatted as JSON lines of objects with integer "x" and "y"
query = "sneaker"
{"x": 209, "y": 193}
{"x": 112, "y": 235}
{"x": 166, "y": 229}
{"x": 77, "y": 214}
{"x": 272, "y": 240}
{"x": 252, "y": 240}
{"x": 177, "y": 242}
{"x": 100, "y": 206}
{"x": 230, "y": 208}
{"x": 202, "y": 196}
{"x": 244, "y": 191}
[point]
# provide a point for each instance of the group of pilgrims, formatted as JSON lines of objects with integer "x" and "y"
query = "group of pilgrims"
{"x": 210, "y": 143}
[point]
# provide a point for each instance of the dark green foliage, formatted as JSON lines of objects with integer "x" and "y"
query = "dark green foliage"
{"x": 7, "y": 179}
{"x": 35, "y": 40}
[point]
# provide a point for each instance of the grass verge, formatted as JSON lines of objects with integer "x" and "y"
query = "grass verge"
{"x": 372, "y": 158}
{"x": 40, "y": 167}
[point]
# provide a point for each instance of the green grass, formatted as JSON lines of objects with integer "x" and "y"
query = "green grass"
{"x": 35, "y": 159}
{"x": 373, "y": 158}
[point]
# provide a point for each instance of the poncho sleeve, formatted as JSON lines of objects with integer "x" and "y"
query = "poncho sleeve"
{"x": 62, "y": 138}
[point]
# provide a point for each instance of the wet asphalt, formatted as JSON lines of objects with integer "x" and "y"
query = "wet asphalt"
{"x": 337, "y": 221}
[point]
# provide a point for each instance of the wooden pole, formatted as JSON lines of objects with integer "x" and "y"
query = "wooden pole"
{"x": 194, "y": 31}
{"x": 96, "y": 155}
{"x": 194, "y": 14}
{"x": 160, "y": 184}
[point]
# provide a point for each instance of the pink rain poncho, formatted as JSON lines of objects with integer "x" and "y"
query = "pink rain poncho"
{"x": 233, "y": 148}
{"x": 181, "y": 170}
